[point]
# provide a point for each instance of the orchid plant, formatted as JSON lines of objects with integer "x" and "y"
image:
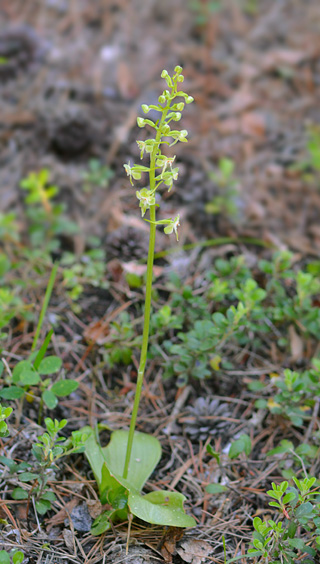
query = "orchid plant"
{"x": 122, "y": 468}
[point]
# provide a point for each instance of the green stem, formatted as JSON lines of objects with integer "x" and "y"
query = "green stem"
{"x": 147, "y": 306}
{"x": 45, "y": 305}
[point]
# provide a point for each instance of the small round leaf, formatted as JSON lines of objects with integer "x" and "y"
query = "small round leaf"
{"x": 64, "y": 387}
{"x": 50, "y": 364}
{"x": 50, "y": 399}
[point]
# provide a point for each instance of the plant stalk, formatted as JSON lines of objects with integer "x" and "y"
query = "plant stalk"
{"x": 147, "y": 306}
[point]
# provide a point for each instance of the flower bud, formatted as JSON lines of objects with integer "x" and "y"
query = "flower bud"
{"x": 145, "y": 108}
{"x": 140, "y": 122}
{"x": 162, "y": 99}
{"x": 178, "y": 69}
{"x": 189, "y": 99}
{"x": 164, "y": 73}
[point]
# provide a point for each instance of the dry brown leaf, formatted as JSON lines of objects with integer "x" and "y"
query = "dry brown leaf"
{"x": 68, "y": 538}
{"x": 168, "y": 542}
{"x": 253, "y": 124}
{"x": 194, "y": 551}
{"x": 94, "y": 507}
{"x": 139, "y": 269}
{"x": 59, "y": 517}
{"x": 279, "y": 57}
{"x": 127, "y": 84}
{"x": 296, "y": 345}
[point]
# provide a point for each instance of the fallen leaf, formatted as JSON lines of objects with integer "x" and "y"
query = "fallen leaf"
{"x": 127, "y": 84}
{"x": 253, "y": 124}
{"x": 68, "y": 538}
{"x": 279, "y": 57}
{"x": 194, "y": 551}
{"x": 59, "y": 517}
{"x": 296, "y": 345}
{"x": 139, "y": 269}
{"x": 167, "y": 545}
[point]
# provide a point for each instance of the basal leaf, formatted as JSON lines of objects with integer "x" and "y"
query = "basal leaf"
{"x": 146, "y": 453}
{"x": 161, "y": 508}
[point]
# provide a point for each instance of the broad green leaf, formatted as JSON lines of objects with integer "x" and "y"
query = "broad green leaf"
{"x": 161, "y": 508}
{"x": 50, "y": 399}
{"x": 19, "y": 493}
{"x": 49, "y": 365}
{"x": 49, "y": 496}
{"x": 243, "y": 444}
{"x": 8, "y": 462}
{"x": 3, "y": 429}
{"x": 63, "y": 388}
{"x": 22, "y": 366}
{"x": 102, "y": 523}
{"x": 289, "y": 497}
{"x": 285, "y": 446}
{"x": 146, "y": 453}
{"x": 12, "y": 393}
{"x": 95, "y": 457}
{"x": 18, "y": 557}
{"x": 28, "y": 476}
{"x": 42, "y": 506}
{"x": 216, "y": 488}
{"x": 4, "y": 557}
{"x": 108, "y": 484}
{"x": 29, "y": 378}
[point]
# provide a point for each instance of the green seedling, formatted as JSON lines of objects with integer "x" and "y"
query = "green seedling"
{"x": 310, "y": 167}
{"x": 226, "y": 200}
{"x": 45, "y": 216}
{"x": 47, "y": 451}
{"x": 292, "y": 395}
{"x": 88, "y": 269}
{"x": 27, "y": 374}
{"x": 292, "y": 458}
{"x": 5, "y": 412}
{"x": 97, "y": 175}
{"x": 204, "y": 9}
{"x": 122, "y": 468}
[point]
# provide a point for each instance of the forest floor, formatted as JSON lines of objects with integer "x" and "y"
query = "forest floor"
{"x": 73, "y": 76}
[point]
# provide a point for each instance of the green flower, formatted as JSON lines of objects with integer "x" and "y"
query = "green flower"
{"x": 173, "y": 226}
{"x": 147, "y": 199}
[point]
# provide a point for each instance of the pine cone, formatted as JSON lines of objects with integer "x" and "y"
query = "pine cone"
{"x": 199, "y": 425}
{"x": 127, "y": 243}
{"x": 19, "y": 47}
{"x": 71, "y": 136}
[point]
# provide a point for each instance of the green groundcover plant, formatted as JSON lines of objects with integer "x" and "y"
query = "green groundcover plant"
{"x": 122, "y": 468}
{"x": 295, "y": 533}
